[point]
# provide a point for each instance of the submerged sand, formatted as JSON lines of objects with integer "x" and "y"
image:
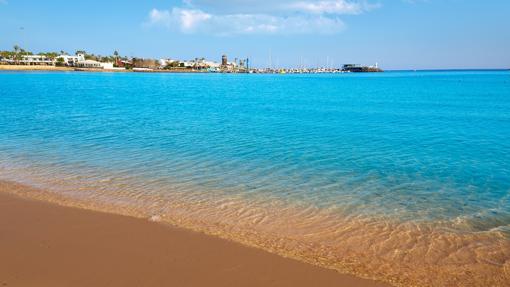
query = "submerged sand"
{"x": 43, "y": 244}
{"x": 403, "y": 255}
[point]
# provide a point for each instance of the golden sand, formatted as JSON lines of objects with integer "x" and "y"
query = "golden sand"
{"x": 43, "y": 244}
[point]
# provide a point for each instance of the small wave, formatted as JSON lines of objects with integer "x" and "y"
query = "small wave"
{"x": 368, "y": 247}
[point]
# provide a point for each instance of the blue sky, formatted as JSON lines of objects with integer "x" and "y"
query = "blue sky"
{"x": 398, "y": 34}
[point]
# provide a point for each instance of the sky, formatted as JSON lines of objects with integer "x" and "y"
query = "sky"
{"x": 396, "y": 34}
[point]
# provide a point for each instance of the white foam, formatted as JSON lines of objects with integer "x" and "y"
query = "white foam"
{"x": 155, "y": 218}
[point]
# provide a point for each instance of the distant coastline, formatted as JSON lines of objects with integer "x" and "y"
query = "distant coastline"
{"x": 11, "y": 67}
{"x": 450, "y": 70}
{"x": 74, "y": 69}
{"x": 20, "y": 59}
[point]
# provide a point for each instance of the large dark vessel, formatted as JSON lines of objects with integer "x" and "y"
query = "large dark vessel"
{"x": 360, "y": 69}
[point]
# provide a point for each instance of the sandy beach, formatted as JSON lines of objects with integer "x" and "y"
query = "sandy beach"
{"x": 54, "y": 68}
{"x": 73, "y": 69}
{"x": 42, "y": 244}
{"x": 33, "y": 68}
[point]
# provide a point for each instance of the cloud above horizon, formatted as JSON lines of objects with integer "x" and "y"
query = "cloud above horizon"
{"x": 234, "y": 17}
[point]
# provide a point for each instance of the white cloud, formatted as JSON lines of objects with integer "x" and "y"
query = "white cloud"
{"x": 193, "y": 21}
{"x": 157, "y": 16}
{"x": 231, "y": 17}
{"x": 281, "y": 6}
{"x": 187, "y": 20}
{"x": 333, "y": 7}
{"x": 190, "y": 18}
{"x": 414, "y": 1}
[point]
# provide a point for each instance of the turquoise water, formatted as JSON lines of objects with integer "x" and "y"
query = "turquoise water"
{"x": 420, "y": 149}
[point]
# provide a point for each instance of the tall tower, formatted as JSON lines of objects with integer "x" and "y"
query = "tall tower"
{"x": 224, "y": 60}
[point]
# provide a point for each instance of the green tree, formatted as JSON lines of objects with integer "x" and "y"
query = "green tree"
{"x": 92, "y": 57}
{"x": 17, "y": 56}
{"x": 172, "y": 65}
{"x": 51, "y": 55}
{"x": 59, "y": 62}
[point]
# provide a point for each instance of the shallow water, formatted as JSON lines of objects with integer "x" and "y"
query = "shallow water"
{"x": 400, "y": 176}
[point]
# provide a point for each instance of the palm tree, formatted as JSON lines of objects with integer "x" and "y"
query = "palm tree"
{"x": 16, "y": 51}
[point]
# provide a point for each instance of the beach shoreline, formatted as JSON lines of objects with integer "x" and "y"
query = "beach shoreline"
{"x": 42, "y": 68}
{"x": 32, "y": 68}
{"x": 45, "y": 244}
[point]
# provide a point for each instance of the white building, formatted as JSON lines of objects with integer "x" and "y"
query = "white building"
{"x": 36, "y": 60}
{"x": 187, "y": 64}
{"x": 212, "y": 64}
{"x": 107, "y": 66}
{"x": 165, "y": 62}
{"x": 89, "y": 64}
{"x": 200, "y": 63}
{"x": 72, "y": 60}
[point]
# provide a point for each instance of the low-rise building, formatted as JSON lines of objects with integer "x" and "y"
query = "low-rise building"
{"x": 7, "y": 60}
{"x": 186, "y": 64}
{"x": 123, "y": 63}
{"x": 107, "y": 66}
{"x": 166, "y": 62}
{"x": 200, "y": 64}
{"x": 69, "y": 60}
{"x": 212, "y": 64}
{"x": 145, "y": 63}
{"x": 36, "y": 60}
{"x": 89, "y": 64}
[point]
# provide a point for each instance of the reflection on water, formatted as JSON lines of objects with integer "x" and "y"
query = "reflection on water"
{"x": 397, "y": 176}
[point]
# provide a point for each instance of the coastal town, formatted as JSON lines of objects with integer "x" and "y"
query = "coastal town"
{"x": 21, "y": 59}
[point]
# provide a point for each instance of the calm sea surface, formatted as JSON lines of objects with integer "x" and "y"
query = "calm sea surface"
{"x": 372, "y": 174}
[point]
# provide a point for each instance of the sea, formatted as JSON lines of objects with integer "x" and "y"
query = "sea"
{"x": 398, "y": 176}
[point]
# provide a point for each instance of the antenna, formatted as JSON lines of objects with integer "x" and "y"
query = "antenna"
{"x": 270, "y": 60}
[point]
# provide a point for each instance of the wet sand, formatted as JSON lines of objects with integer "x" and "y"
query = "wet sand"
{"x": 42, "y": 244}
